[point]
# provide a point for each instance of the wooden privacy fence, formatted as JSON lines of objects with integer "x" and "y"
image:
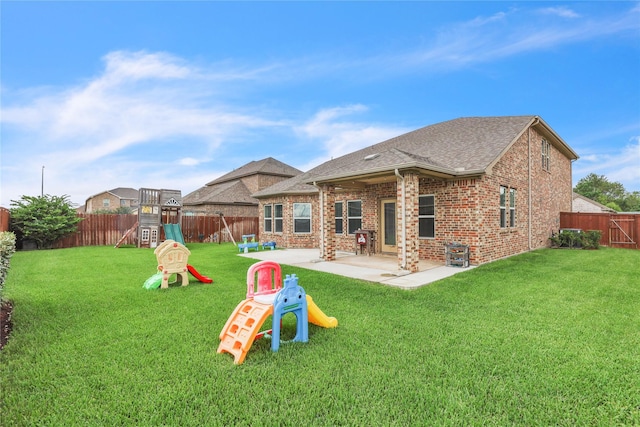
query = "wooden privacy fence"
{"x": 4, "y": 219}
{"x": 618, "y": 230}
{"x": 108, "y": 229}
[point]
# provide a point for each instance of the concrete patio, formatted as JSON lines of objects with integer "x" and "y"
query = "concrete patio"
{"x": 375, "y": 268}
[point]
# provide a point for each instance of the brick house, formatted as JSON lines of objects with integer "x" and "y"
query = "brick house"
{"x": 496, "y": 184}
{"x": 584, "y": 204}
{"x": 111, "y": 200}
{"x": 231, "y": 193}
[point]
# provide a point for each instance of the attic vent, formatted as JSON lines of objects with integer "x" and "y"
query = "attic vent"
{"x": 372, "y": 156}
{"x": 459, "y": 169}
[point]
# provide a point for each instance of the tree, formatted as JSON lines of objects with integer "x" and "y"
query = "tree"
{"x": 43, "y": 219}
{"x": 120, "y": 210}
{"x": 598, "y": 188}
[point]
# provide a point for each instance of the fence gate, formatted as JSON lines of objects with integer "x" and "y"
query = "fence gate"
{"x": 621, "y": 232}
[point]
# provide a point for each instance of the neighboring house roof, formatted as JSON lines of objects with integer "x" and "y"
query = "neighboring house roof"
{"x": 268, "y": 166}
{"x": 584, "y": 204}
{"x": 120, "y": 192}
{"x": 230, "y": 188}
{"x": 234, "y": 192}
{"x": 467, "y": 146}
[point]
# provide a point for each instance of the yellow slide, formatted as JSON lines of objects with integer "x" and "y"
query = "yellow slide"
{"x": 317, "y": 316}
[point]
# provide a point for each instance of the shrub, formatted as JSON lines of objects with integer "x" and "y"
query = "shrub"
{"x": 7, "y": 248}
{"x": 591, "y": 239}
{"x": 576, "y": 239}
{"x": 43, "y": 219}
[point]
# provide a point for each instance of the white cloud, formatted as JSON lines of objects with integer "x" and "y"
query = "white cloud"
{"x": 561, "y": 11}
{"x": 505, "y": 34}
{"x": 339, "y": 136}
{"x": 141, "y": 105}
{"x": 621, "y": 166}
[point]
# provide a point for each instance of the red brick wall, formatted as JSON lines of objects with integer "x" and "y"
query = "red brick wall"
{"x": 467, "y": 210}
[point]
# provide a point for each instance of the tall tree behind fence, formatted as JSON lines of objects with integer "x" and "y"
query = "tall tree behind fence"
{"x": 618, "y": 230}
{"x": 108, "y": 229}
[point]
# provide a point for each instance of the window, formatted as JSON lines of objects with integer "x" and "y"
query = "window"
{"x": 339, "y": 220}
{"x": 512, "y": 207}
{"x": 503, "y": 207}
{"x": 509, "y": 221}
{"x": 105, "y": 203}
{"x": 277, "y": 216}
{"x": 427, "y": 216}
{"x": 268, "y": 218}
{"x": 546, "y": 153}
{"x": 354, "y": 215}
{"x": 302, "y": 217}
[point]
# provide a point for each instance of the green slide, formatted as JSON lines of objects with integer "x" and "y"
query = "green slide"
{"x": 173, "y": 232}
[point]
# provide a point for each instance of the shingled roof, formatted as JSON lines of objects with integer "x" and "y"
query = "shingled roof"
{"x": 268, "y": 166}
{"x": 234, "y": 192}
{"x": 461, "y": 147}
{"x": 230, "y": 188}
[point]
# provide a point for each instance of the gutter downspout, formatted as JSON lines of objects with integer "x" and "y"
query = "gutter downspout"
{"x": 404, "y": 221}
{"x": 321, "y": 194}
{"x": 536, "y": 121}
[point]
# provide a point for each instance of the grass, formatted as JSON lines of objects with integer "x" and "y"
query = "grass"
{"x": 550, "y": 337}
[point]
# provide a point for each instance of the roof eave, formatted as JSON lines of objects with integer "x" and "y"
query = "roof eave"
{"x": 562, "y": 145}
{"x": 423, "y": 168}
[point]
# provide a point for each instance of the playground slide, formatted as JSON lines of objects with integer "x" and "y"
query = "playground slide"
{"x": 153, "y": 282}
{"x": 317, "y": 316}
{"x": 173, "y": 232}
{"x": 200, "y": 277}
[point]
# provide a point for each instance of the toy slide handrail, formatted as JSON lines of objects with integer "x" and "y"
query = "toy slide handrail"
{"x": 269, "y": 278}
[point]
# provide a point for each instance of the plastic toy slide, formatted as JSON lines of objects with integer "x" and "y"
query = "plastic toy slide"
{"x": 173, "y": 232}
{"x": 154, "y": 281}
{"x": 317, "y": 316}
{"x": 200, "y": 277}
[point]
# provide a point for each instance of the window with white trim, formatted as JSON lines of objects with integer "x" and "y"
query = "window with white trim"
{"x": 503, "y": 206}
{"x": 546, "y": 154}
{"x": 268, "y": 218}
{"x": 354, "y": 215}
{"x": 339, "y": 221}
{"x": 277, "y": 217}
{"x": 105, "y": 203}
{"x": 302, "y": 217}
{"x": 512, "y": 207}
{"x": 427, "y": 216}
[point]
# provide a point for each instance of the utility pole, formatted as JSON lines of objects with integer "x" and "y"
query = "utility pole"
{"x": 42, "y": 183}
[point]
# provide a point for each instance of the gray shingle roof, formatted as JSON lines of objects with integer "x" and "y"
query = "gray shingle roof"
{"x": 268, "y": 166}
{"x": 459, "y": 147}
{"x": 125, "y": 193}
{"x": 233, "y": 192}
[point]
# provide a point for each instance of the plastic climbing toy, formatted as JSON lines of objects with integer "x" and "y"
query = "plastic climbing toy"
{"x": 267, "y": 297}
{"x": 172, "y": 259}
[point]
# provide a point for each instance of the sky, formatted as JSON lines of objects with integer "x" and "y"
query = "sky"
{"x": 160, "y": 94}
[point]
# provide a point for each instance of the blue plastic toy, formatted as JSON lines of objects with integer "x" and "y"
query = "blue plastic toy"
{"x": 248, "y": 242}
{"x": 291, "y": 299}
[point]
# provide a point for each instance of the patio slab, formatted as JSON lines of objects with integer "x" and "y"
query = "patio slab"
{"x": 374, "y": 268}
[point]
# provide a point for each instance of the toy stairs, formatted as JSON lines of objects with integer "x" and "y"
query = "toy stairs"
{"x": 239, "y": 332}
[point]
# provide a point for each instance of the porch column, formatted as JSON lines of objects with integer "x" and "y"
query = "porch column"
{"x": 328, "y": 226}
{"x": 409, "y": 229}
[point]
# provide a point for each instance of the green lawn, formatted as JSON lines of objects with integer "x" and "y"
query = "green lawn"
{"x": 550, "y": 337}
